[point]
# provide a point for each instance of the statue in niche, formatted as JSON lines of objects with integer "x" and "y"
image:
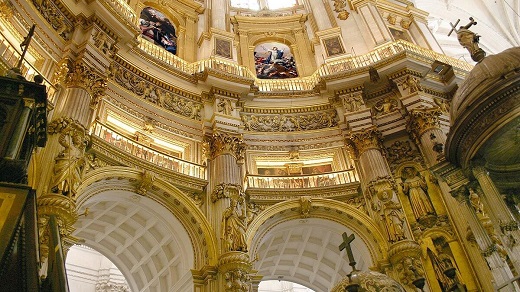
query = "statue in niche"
{"x": 234, "y": 226}
{"x": 416, "y": 189}
{"x": 224, "y": 106}
{"x": 390, "y": 213}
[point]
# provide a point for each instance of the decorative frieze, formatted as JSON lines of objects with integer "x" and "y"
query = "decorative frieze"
{"x": 225, "y": 190}
{"x": 290, "y": 123}
{"x": 162, "y": 97}
{"x": 401, "y": 151}
{"x": 58, "y": 20}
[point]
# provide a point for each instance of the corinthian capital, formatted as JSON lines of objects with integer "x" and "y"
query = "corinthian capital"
{"x": 422, "y": 120}
{"x": 81, "y": 75}
{"x": 365, "y": 139}
{"x": 223, "y": 143}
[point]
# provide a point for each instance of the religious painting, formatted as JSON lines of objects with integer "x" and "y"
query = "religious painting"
{"x": 274, "y": 60}
{"x": 333, "y": 46}
{"x": 157, "y": 28}
{"x": 272, "y": 171}
{"x": 399, "y": 34}
{"x": 317, "y": 169}
{"x": 223, "y": 48}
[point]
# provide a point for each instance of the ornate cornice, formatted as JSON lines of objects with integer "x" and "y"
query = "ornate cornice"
{"x": 223, "y": 143}
{"x": 366, "y": 139}
{"x": 57, "y": 15}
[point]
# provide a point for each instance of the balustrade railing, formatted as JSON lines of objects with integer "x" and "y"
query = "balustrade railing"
{"x": 122, "y": 9}
{"x": 303, "y": 181}
{"x": 163, "y": 55}
{"x": 143, "y": 152}
{"x": 346, "y": 64}
{"x": 10, "y": 56}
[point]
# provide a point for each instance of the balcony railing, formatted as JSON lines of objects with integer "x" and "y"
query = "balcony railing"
{"x": 146, "y": 153}
{"x": 123, "y": 10}
{"x": 303, "y": 181}
{"x": 343, "y": 65}
{"x": 10, "y": 56}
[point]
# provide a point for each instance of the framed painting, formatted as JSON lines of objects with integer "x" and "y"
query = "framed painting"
{"x": 333, "y": 46}
{"x": 223, "y": 48}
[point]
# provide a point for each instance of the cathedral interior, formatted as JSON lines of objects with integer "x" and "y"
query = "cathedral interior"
{"x": 215, "y": 145}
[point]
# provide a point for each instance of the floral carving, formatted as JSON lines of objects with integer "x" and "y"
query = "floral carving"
{"x": 290, "y": 123}
{"x": 423, "y": 119}
{"x": 366, "y": 139}
{"x": 401, "y": 151}
{"x": 339, "y": 6}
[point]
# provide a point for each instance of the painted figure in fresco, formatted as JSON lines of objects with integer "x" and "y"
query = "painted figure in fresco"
{"x": 274, "y": 63}
{"x": 157, "y": 28}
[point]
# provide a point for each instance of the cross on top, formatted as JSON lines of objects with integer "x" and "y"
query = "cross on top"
{"x": 454, "y": 26}
{"x": 347, "y": 239}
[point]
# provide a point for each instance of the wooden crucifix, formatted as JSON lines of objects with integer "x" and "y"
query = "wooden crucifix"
{"x": 347, "y": 239}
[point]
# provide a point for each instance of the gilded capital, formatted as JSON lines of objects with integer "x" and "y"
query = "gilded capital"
{"x": 222, "y": 143}
{"x": 81, "y": 75}
{"x": 422, "y": 120}
{"x": 365, "y": 139}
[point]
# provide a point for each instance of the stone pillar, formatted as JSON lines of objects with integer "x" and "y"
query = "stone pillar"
{"x": 227, "y": 211}
{"x": 424, "y": 127}
{"x": 480, "y": 233}
{"x": 500, "y": 215}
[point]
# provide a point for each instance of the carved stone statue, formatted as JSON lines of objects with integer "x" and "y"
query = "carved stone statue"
{"x": 353, "y": 102}
{"x": 70, "y": 162}
{"x": 415, "y": 188}
{"x": 475, "y": 202}
{"x": 234, "y": 227}
{"x": 412, "y": 84}
{"x": 469, "y": 40}
{"x": 386, "y": 106}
